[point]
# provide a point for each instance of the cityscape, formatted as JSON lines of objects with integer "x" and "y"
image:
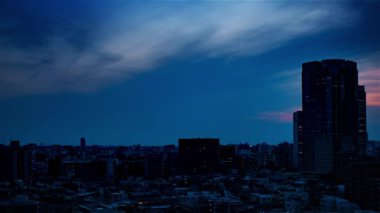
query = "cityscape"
{"x": 189, "y": 106}
{"x": 329, "y": 167}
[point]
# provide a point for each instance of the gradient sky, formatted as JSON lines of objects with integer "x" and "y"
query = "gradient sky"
{"x": 150, "y": 72}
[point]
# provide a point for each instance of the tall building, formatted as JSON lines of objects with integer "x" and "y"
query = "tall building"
{"x": 282, "y": 155}
{"x": 14, "y": 162}
{"x": 83, "y": 143}
{"x": 199, "y": 155}
{"x": 154, "y": 165}
{"x": 363, "y": 185}
{"x": 333, "y": 116}
{"x": 362, "y": 119}
{"x": 297, "y": 140}
{"x": 5, "y": 163}
{"x": 228, "y": 158}
{"x": 264, "y": 155}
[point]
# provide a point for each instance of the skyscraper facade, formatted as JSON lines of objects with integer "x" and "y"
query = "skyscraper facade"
{"x": 362, "y": 121}
{"x": 297, "y": 140}
{"x": 333, "y": 114}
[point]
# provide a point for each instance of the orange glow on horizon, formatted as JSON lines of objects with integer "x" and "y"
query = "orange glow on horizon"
{"x": 371, "y": 80}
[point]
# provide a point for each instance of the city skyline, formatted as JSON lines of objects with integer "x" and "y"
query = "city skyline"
{"x": 124, "y": 73}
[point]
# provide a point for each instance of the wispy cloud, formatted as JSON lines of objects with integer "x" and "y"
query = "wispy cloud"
{"x": 369, "y": 75}
{"x": 371, "y": 80}
{"x": 276, "y": 116}
{"x": 284, "y": 116}
{"x": 289, "y": 81}
{"x": 75, "y": 57}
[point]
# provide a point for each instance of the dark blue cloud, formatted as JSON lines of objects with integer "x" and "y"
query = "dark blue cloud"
{"x": 64, "y": 42}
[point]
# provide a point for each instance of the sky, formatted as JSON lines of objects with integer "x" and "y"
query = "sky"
{"x": 146, "y": 72}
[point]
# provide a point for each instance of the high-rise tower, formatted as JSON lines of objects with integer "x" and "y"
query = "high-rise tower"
{"x": 333, "y": 116}
{"x": 297, "y": 140}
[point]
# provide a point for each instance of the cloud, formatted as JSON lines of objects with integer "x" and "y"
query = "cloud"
{"x": 74, "y": 54}
{"x": 371, "y": 80}
{"x": 289, "y": 81}
{"x": 284, "y": 116}
{"x": 369, "y": 75}
{"x": 275, "y": 116}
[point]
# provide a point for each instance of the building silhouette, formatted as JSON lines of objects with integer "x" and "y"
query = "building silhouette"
{"x": 363, "y": 184}
{"x": 228, "y": 157}
{"x": 282, "y": 155}
{"x": 362, "y": 119}
{"x": 14, "y": 162}
{"x": 198, "y": 156}
{"x": 333, "y": 116}
{"x": 297, "y": 140}
{"x": 83, "y": 143}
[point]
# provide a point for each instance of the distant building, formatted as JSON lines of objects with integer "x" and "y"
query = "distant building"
{"x": 334, "y": 123}
{"x": 264, "y": 155}
{"x": 5, "y": 163}
{"x": 295, "y": 200}
{"x": 169, "y": 148}
{"x": 262, "y": 199}
{"x": 228, "y": 158}
{"x": 134, "y": 166}
{"x": 198, "y": 156}
{"x": 55, "y": 167}
{"x": 110, "y": 167}
{"x": 297, "y": 140}
{"x": 85, "y": 170}
{"x": 363, "y": 185}
{"x": 14, "y": 162}
{"x": 20, "y": 203}
{"x": 336, "y": 204}
{"x": 82, "y": 143}
{"x": 282, "y": 155}
{"x": 228, "y": 152}
{"x": 362, "y": 121}
{"x": 373, "y": 149}
{"x": 154, "y": 166}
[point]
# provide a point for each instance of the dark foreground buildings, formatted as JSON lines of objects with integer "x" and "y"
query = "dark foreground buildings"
{"x": 198, "y": 156}
{"x": 298, "y": 140}
{"x": 363, "y": 185}
{"x": 333, "y": 125}
{"x": 14, "y": 162}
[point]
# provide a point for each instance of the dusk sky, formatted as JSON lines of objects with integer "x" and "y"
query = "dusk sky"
{"x": 150, "y": 72}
